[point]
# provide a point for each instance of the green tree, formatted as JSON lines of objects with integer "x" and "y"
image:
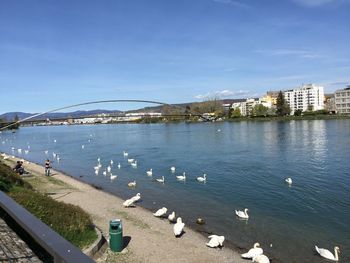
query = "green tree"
{"x": 259, "y": 110}
{"x": 235, "y": 113}
{"x": 298, "y": 112}
{"x": 282, "y": 107}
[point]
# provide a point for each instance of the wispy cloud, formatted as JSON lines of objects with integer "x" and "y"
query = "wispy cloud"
{"x": 317, "y": 3}
{"x": 289, "y": 52}
{"x": 222, "y": 94}
{"x": 232, "y": 3}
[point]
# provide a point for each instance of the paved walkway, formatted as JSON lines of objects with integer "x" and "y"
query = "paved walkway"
{"x": 12, "y": 248}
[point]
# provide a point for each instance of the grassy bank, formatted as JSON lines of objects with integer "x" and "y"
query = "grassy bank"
{"x": 69, "y": 221}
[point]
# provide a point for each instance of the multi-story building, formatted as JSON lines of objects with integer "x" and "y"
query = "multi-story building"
{"x": 342, "y": 100}
{"x": 307, "y": 97}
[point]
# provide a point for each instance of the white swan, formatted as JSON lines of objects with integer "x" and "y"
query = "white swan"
{"x": 111, "y": 162}
{"x": 58, "y": 158}
{"x": 327, "y": 254}
{"x": 26, "y": 151}
{"x": 253, "y": 252}
{"x": 54, "y": 155}
{"x": 109, "y": 169}
{"x": 137, "y": 197}
{"x": 150, "y": 172}
{"x": 289, "y": 180}
{"x": 113, "y": 177}
{"x": 161, "y": 180}
{"x": 178, "y": 227}
{"x": 261, "y": 259}
{"x": 96, "y": 167}
{"x": 171, "y": 217}
{"x": 119, "y": 166}
{"x": 129, "y": 203}
{"x": 134, "y": 164}
{"x": 132, "y": 184}
{"x": 130, "y": 160}
{"x": 83, "y": 146}
{"x": 96, "y": 172}
{"x": 98, "y": 159}
{"x": 19, "y": 150}
{"x": 215, "y": 241}
{"x": 242, "y": 214}
{"x": 46, "y": 152}
{"x": 105, "y": 173}
{"x": 54, "y": 140}
{"x": 125, "y": 154}
{"x": 202, "y": 179}
{"x": 160, "y": 212}
{"x": 172, "y": 169}
{"x": 181, "y": 177}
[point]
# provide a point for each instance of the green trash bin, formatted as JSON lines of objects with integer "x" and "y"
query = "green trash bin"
{"x": 116, "y": 235}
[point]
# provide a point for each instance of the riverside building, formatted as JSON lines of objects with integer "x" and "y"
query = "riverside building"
{"x": 307, "y": 97}
{"x": 342, "y": 100}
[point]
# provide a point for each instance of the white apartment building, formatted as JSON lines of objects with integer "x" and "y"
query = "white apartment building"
{"x": 342, "y": 100}
{"x": 305, "y": 96}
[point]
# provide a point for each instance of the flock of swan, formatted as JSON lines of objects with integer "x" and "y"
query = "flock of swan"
{"x": 255, "y": 253}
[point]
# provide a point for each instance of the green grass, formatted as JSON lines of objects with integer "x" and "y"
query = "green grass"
{"x": 70, "y": 221}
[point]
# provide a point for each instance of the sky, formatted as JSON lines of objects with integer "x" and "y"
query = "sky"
{"x": 58, "y": 53}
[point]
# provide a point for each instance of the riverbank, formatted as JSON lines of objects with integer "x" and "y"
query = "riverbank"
{"x": 149, "y": 239}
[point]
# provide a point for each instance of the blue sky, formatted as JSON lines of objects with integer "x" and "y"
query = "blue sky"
{"x": 56, "y": 53}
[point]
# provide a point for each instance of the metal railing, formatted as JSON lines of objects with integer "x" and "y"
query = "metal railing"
{"x": 59, "y": 248}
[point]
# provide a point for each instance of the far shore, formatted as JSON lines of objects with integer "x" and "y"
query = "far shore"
{"x": 150, "y": 239}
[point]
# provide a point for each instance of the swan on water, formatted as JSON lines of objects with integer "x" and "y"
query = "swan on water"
{"x": 215, "y": 241}
{"x": 136, "y": 198}
{"x": 134, "y": 164}
{"x": 161, "y": 180}
{"x": 98, "y": 159}
{"x": 83, "y": 146}
{"x": 119, "y": 166}
{"x": 58, "y": 158}
{"x": 113, "y": 177}
{"x": 150, "y": 172}
{"x": 242, "y": 214}
{"x": 255, "y": 251}
{"x": 96, "y": 172}
{"x": 202, "y": 179}
{"x": 178, "y": 227}
{"x": 46, "y": 152}
{"x": 26, "y": 151}
{"x": 160, "y": 212}
{"x": 111, "y": 162}
{"x": 54, "y": 140}
{"x": 128, "y": 203}
{"x": 125, "y": 154}
{"x": 19, "y": 150}
{"x": 132, "y": 184}
{"x": 109, "y": 168}
{"x": 327, "y": 254}
{"x": 96, "y": 167}
{"x": 261, "y": 259}
{"x": 104, "y": 173}
{"x": 289, "y": 180}
{"x": 130, "y": 160}
{"x": 171, "y": 217}
{"x": 181, "y": 177}
{"x": 172, "y": 169}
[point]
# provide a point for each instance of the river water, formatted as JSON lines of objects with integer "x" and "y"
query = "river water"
{"x": 246, "y": 164}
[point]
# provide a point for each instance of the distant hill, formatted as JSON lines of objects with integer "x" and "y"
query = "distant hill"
{"x": 10, "y": 116}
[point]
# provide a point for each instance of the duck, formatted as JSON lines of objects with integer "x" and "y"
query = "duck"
{"x": 255, "y": 251}
{"x": 119, "y": 166}
{"x": 150, "y": 172}
{"x": 172, "y": 169}
{"x": 289, "y": 180}
{"x": 215, "y": 241}
{"x": 261, "y": 259}
{"x": 325, "y": 253}
{"x": 181, "y": 177}
{"x": 160, "y": 212}
{"x": 178, "y": 227}
{"x": 137, "y": 197}
{"x": 130, "y": 160}
{"x": 132, "y": 184}
{"x": 125, "y": 154}
{"x": 129, "y": 202}
{"x": 202, "y": 179}
{"x": 160, "y": 180}
{"x": 134, "y": 164}
{"x": 242, "y": 214}
{"x": 113, "y": 177}
{"x": 172, "y": 217}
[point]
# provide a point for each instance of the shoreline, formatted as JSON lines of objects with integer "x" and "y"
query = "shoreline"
{"x": 141, "y": 227}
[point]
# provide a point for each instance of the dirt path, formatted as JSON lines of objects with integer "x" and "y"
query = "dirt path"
{"x": 151, "y": 239}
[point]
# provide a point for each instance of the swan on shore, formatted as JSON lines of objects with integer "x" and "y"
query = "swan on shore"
{"x": 253, "y": 252}
{"x": 289, "y": 180}
{"x": 202, "y": 179}
{"x": 113, "y": 177}
{"x": 327, "y": 254}
{"x": 132, "y": 184}
{"x": 119, "y": 166}
{"x": 128, "y": 203}
{"x": 160, "y": 180}
{"x": 215, "y": 241}
{"x": 181, "y": 177}
{"x": 171, "y": 217}
{"x": 172, "y": 169}
{"x": 261, "y": 259}
{"x": 160, "y": 212}
{"x": 136, "y": 198}
{"x": 178, "y": 227}
{"x": 150, "y": 172}
{"x": 242, "y": 214}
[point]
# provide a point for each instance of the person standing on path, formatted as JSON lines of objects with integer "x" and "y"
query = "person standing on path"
{"x": 47, "y": 167}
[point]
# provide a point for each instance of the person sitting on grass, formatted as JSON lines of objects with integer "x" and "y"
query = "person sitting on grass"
{"x": 19, "y": 168}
